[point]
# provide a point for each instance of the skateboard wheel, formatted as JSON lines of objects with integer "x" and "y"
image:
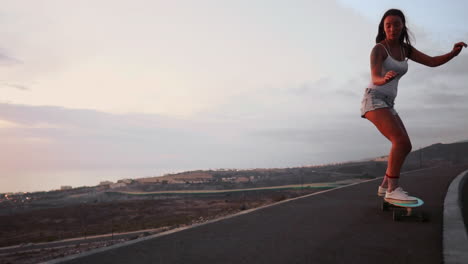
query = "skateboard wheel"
{"x": 396, "y": 216}
{"x": 384, "y": 206}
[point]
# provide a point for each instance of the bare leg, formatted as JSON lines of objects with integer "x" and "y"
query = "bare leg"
{"x": 394, "y": 182}
{"x": 392, "y": 128}
{"x": 384, "y": 183}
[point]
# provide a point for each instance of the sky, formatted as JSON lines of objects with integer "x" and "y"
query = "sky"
{"x": 106, "y": 90}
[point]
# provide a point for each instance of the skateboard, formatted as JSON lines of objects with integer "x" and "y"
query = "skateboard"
{"x": 404, "y": 211}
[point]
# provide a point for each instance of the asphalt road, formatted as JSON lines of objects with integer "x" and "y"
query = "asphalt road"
{"x": 340, "y": 226}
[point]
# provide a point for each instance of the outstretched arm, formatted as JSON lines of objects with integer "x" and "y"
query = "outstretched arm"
{"x": 424, "y": 59}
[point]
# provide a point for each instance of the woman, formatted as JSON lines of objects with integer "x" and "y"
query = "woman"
{"x": 388, "y": 64}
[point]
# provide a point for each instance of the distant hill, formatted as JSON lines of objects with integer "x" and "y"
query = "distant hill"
{"x": 433, "y": 155}
{"x": 189, "y": 176}
{"x": 438, "y": 154}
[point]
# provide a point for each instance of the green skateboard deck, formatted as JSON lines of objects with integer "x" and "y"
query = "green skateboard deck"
{"x": 407, "y": 205}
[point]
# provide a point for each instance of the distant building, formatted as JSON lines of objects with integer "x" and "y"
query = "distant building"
{"x": 105, "y": 183}
{"x": 383, "y": 158}
{"x": 126, "y": 181}
{"x": 117, "y": 185}
{"x": 197, "y": 181}
{"x": 228, "y": 179}
{"x": 65, "y": 187}
{"x": 242, "y": 179}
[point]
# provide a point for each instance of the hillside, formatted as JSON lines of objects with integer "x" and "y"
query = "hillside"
{"x": 438, "y": 154}
{"x": 229, "y": 179}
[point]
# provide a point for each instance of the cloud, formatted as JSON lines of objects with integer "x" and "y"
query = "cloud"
{"x": 443, "y": 87}
{"x": 74, "y": 138}
{"x": 308, "y": 88}
{"x": 79, "y": 62}
{"x": 10, "y": 63}
{"x": 48, "y": 140}
{"x": 6, "y": 60}
{"x": 446, "y": 98}
{"x": 455, "y": 67}
{"x": 7, "y": 124}
{"x": 16, "y": 86}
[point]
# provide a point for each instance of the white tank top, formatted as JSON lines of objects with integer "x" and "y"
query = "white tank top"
{"x": 391, "y": 64}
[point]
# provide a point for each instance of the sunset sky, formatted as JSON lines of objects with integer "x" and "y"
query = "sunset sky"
{"x": 110, "y": 89}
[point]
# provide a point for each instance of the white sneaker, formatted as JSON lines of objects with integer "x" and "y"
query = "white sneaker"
{"x": 381, "y": 192}
{"x": 399, "y": 196}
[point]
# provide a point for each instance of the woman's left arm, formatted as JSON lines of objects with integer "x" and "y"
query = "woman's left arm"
{"x": 424, "y": 59}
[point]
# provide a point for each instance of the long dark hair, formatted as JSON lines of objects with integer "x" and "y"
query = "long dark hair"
{"x": 405, "y": 33}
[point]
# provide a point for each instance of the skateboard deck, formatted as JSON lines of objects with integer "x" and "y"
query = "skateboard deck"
{"x": 404, "y": 211}
{"x": 407, "y": 205}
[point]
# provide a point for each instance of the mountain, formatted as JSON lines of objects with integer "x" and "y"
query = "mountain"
{"x": 438, "y": 154}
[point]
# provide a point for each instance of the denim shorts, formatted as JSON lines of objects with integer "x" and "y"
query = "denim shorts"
{"x": 374, "y": 99}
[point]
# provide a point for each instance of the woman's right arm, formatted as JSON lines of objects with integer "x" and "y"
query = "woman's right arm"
{"x": 377, "y": 57}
